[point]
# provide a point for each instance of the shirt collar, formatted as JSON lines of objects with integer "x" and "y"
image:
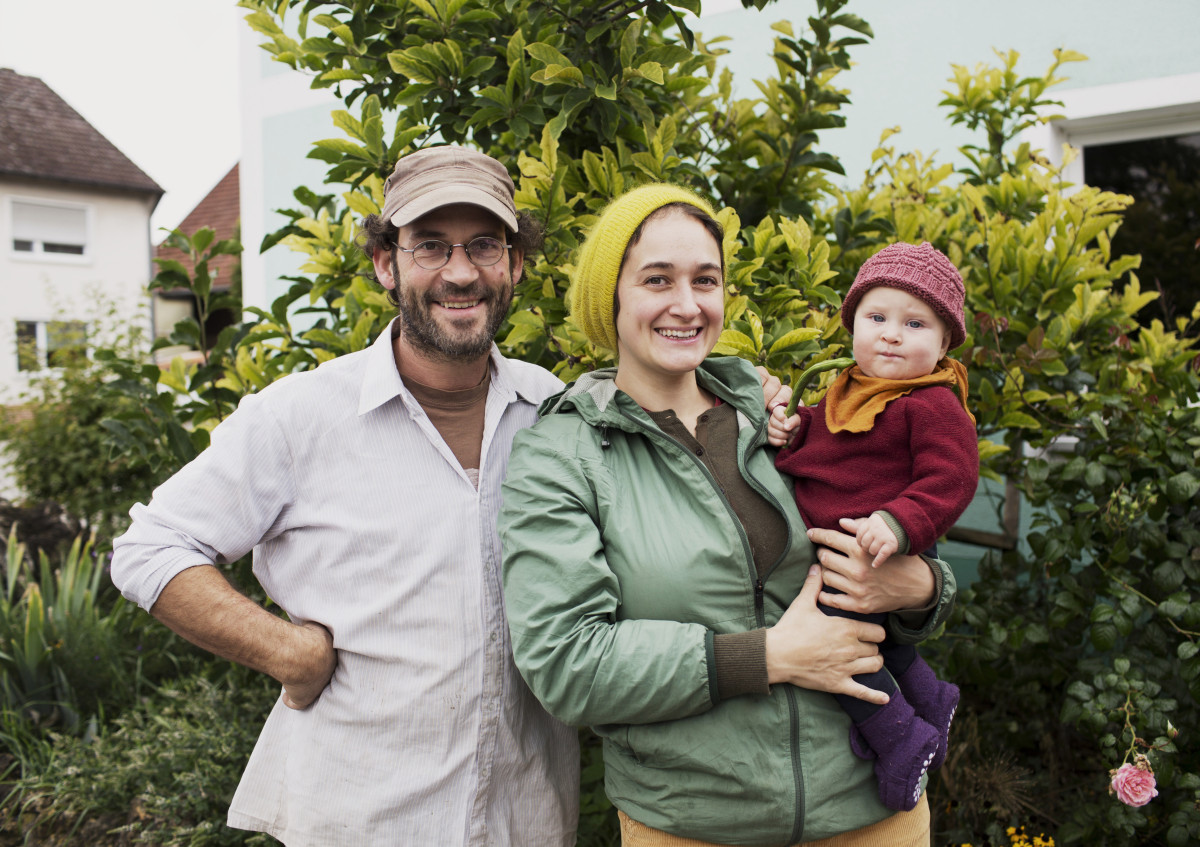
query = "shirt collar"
{"x": 381, "y": 381}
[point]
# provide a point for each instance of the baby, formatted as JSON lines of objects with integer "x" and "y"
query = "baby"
{"x": 891, "y": 454}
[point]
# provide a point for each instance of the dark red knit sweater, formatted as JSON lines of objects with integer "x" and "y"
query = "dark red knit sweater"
{"x": 920, "y": 463}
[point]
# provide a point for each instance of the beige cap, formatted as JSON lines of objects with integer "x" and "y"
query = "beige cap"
{"x": 438, "y": 176}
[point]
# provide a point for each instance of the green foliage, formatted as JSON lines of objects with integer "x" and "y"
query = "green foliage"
{"x": 163, "y": 773}
{"x": 197, "y": 278}
{"x": 57, "y": 448}
{"x": 1000, "y": 104}
{"x": 58, "y": 648}
{"x": 163, "y": 416}
{"x": 71, "y": 649}
{"x": 543, "y": 83}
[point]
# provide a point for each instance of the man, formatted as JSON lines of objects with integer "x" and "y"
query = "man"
{"x": 368, "y": 489}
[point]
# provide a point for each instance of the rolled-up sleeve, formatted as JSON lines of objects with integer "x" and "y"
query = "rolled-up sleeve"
{"x": 914, "y": 626}
{"x": 215, "y": 509}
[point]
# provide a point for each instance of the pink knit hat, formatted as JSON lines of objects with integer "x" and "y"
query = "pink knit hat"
{"x": 923, "y": 272}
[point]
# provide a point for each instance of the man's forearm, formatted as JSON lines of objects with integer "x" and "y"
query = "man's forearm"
{"x": 200, "y": 605}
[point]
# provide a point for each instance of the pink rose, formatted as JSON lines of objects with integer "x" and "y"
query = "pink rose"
{"x": 1134, "y": 784}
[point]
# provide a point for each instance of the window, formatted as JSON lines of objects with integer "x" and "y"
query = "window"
{"x": 49, "y": 229}
{"x": 1141, "y": 138}
{"x": 1163, "y": 224}
{"x": 50, "y": 344}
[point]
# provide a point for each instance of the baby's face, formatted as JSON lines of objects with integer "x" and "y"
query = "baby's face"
{"x": 897, "y": 335}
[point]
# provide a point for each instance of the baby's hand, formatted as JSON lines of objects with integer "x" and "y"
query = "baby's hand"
{"x": 779, "y": 428}
{"x": 875, "y": 537}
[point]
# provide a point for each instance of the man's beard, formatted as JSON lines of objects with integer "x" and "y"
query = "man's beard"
{"x": 432, "y": 339}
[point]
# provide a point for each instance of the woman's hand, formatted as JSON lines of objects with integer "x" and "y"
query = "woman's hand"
{"x": 812, "y": 650}
{"x": 775, "y": 393}
{"x": 902, "y": 582}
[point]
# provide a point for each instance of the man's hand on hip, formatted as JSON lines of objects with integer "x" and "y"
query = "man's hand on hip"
{"x": 315, "y": 662}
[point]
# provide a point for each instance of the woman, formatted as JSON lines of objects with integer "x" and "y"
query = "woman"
{"x": 658, "y": 580}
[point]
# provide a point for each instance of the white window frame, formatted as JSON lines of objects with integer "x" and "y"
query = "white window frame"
{"x": 37, "y": 255}
{"x": 42, "y": 342}
{"x": 1108, "y": 114}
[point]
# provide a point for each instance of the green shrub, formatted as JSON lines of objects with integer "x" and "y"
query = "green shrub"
{"x": 59, "y": 452}
{"x": 59, "y": 648}
{"x": 162, "y": 773}
{"x": 71, "y": 648}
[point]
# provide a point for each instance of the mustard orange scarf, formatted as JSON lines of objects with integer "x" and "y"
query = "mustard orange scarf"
{"x": 855, "y": 399}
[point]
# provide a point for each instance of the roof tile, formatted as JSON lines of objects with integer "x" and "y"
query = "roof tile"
{"x": 220, "y": 211}
{"x": 42, "y": 137}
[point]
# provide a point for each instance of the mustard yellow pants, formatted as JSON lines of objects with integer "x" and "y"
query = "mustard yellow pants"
{"x": 903, "y": 829}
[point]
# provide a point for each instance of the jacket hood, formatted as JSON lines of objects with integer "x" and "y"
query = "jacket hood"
{"x": 596, "y": 398}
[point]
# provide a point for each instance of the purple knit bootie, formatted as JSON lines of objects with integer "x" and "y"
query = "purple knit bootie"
{"x": 904, "y": 747}
{"x": 934, "y": 702}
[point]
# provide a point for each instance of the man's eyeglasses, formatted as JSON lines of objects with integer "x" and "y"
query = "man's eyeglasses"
{"x": 431, "y": 255}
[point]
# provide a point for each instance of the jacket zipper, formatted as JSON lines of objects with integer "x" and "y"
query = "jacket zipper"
{"x": 759, "y": 611}
{"x": 797, "y": 768}
{"x": 755, "y": 442}
{"x": 789, "y": 692}
{"x": 749, "y": 555}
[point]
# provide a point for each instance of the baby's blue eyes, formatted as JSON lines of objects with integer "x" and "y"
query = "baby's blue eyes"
{"x": 913, "y": 324}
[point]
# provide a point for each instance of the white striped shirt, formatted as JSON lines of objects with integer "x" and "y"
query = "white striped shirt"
{"x": 361, "y": 519}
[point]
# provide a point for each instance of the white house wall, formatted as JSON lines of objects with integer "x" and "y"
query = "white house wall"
{"x": 281, "y": 117}
{"x": 52, "y": 287}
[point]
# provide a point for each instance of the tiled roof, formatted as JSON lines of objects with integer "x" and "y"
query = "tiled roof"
{"x": 41, "y": 137}
{"x": 220, "y": 211}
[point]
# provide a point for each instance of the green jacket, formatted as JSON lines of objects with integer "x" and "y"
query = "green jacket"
{"x": 622, "y": 558}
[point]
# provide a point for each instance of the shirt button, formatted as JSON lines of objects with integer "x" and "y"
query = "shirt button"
{"x": 699, "y": 451}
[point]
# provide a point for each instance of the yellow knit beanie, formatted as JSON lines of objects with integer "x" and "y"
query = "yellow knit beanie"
{"x": 590, "y": 298}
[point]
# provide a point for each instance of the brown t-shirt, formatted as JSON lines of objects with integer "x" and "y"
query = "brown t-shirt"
{"x": 458, "y": 417}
